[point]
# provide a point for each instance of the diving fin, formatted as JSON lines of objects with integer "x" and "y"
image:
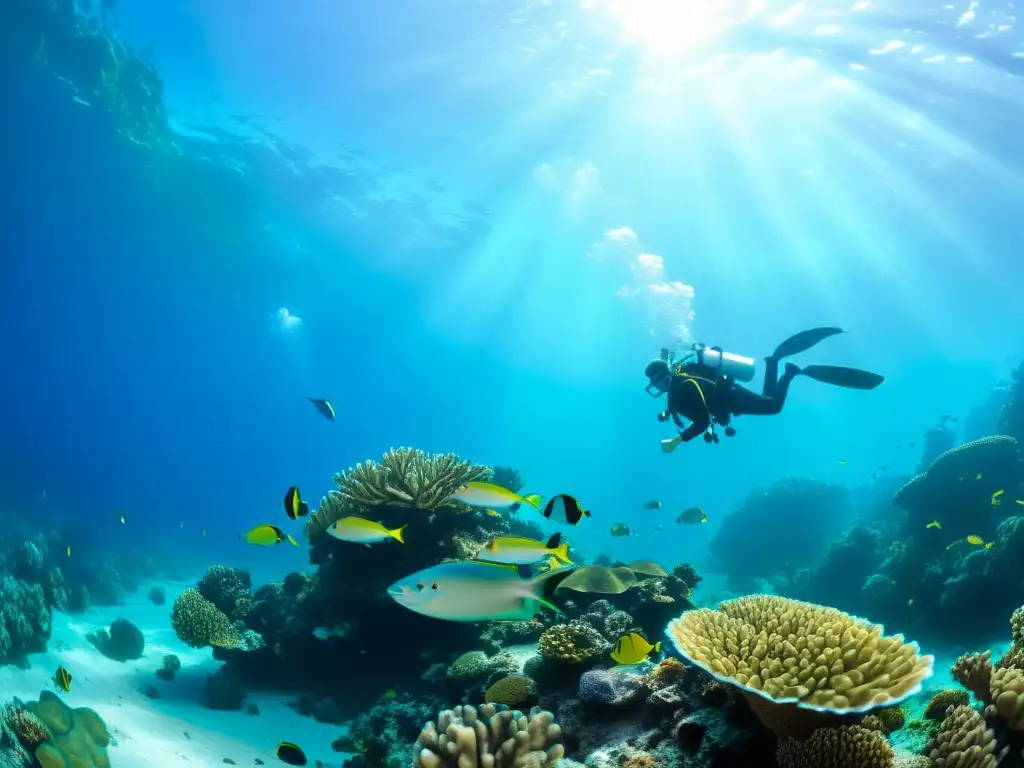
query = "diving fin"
{"x": 803, "y": 341}
{"x": 851, "y": 378}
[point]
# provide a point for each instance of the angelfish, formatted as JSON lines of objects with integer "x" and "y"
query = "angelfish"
{"x": 475, "y": 591}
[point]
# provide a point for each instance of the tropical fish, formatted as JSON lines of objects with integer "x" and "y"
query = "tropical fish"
{"x": 290, "y": 754}
{"x": 652, "y": 504}
{"x": 62, "y": 679}
{"x": 564, "y": 508}
{"x": 632, "y": 648}
{"x": 491, "y": 496}
{"x": 122, "y": 519}
{"x": 996, "y": 501}
{"x": 659, "y": 527}
{"x": 323, "y": 407}
{"x": 294, "y": 506}
{"x": 978, "y": 541}
{"x": 1019, "y": 501}
{"x": 934, "y": 524}
{"x": 471, "y": 591}
{"x": 910, "y": 603}
{"x": 359, "y": 530}
{"x": 621, "y": 529}
{"x": 978, "y": 477}
{"x": 519, "y": 550}
{"x": 69, "y": 551}
{"x": 266, "y": 536}
{"x": 692, "y": 516}
{"x": 842, "y": 462}
{"x": 388, "y": 694}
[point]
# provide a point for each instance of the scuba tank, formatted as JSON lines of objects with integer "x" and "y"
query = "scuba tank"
{"x": 722, "y": 363}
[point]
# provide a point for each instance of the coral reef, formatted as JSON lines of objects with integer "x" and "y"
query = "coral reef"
{"x": 169, "y": 668}
{"x": 228, "y": 589}
{"x": 574, "y": 643}
{"x": 198, "y": 623}
{"x": 489, "y": 737}
{"x": 380, "y": 738}
{"x": 799, "y": 665}
{"x": 75, "y": 738}
{"x": 514, "y": 691}
{"x": 848, "y": 746}
{"x": 25, "y": 620}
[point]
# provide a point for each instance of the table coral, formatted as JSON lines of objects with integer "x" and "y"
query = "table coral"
{"x": 799, "y": 664}
{"x": 489, "y": 737}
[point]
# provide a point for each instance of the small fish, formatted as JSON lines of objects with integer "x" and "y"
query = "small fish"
{"x": 204, "y": 533}
{"x": 652, "y": 504}
{"x": 632, "y": 648}
{"x": 621, "y": 529}
{"x": 944, "y": 418}
{"x": 883, "y": 468}
{"x": 978, "y": 541}
{"x": 69, "y": 551}
{"x": 692, "y": 516}
{"x": 519, "y": 550}
{"x": 996, "y": 501}
{"x": 492, "y": 512}
{"x": 659, "y": 527}
{"x": 564, "y": 508}
{"x": 266, "y": 536}
{"x": 388, "y": 695}
{"x": 323, "y": 407}
{"x": 290, "y": 754}
{"x": 359, "y": 530}
{"x": 978, "y": 477}
{"x": 842, "y": 462}
{"x": 934, "y": 524}
{"x": 1019, "y": 501}
{"x": 910, "y": 603}
{"x": 62, "y": 680}
{"x": 491, "y": 496}
{"x": 122, "y": 519}
{"x": 294, "y": 506}
{"x": 472, "y": 591}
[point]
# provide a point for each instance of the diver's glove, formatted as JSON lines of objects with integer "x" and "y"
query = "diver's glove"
{"x": 667, "y": 446}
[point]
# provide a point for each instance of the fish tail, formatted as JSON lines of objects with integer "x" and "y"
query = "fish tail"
{"x": 397, "y": 533}
{"x": 533, "y": 500}
{"x": 562, "y": 553}
{"x": 293, "y": 541}
{"x": 543, "y": 586}
{"x": 657, "y": 647}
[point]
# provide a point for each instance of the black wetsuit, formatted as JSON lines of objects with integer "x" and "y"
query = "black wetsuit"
{"x": 697, "y": 394}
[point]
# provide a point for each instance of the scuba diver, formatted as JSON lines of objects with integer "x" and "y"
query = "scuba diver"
{"x": 704, "y": 388}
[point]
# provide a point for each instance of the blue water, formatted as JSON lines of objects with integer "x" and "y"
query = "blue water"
{"x": 436, "y": 196}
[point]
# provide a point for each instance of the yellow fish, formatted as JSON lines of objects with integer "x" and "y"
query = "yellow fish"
{"x": 491, "y": 496}
{"x": 359, "y": 530}
{"x": 266, "y": 536}
{"x": 934, "y": 524}
{"x": 978, "y": 541}
{"x": 69, "y": 551}
{"x": 519, "y": 550}
{"x": 492, "y": 512}
{"x": 62, "y": 679}
{"x": 996, "y": 501}
{"x": 122, "y": 519}
{"x": 1019, "y": 501}
{"x": 978, "y": 477}
{"x": 632, "y": 648}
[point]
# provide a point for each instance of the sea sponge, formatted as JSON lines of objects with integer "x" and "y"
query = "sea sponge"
{"x": 404, "y": 477}
{"x": 198, "y": 623}
{"x": 512, "y": 691}
{"x": 943, "y": 700}
{"x": 849, "y": 746}
{"x": 575, "y": 643}
{"x": 489, "y": 737}
{"x": 963, "y": 742}
{"x": 974, "y": 672}
{"x": 78, "y": 737}
{"x": 792, "y": 659}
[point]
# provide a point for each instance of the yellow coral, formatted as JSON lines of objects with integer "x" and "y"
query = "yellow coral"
{"x": 849, "y": 746}
{"x": 514, "y": 691}
{"x": 198, "y": 623}
{"x": 1007, "y": 694}
{"x": 974, "y": 672}
{"x": 787, "y": 655}
{"x": 943, "y": 700}
{"x": 963, "y": 742}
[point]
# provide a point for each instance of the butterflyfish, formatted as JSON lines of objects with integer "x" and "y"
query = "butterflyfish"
{"x": 632, "y": 648}
{"x": 692, "y": 516}
{"x": 491, "y": 496}
{"x": 471, "y": 591}
{"x": 266, "y": 536}
{"x": 294, "y": 506}
{"x": 323, "y": 407}
{"x": 652, "y": 504}
{"x": 621, "y": 529}
{"x": 359, "y": 530}
{"x": 290, "y": 754}
{"x": 564, "y": 508}
{"x": 519, "y": 550}
{"x": 62, "y": 680}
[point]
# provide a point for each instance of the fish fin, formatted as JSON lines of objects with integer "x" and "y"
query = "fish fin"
{"x": 562, "y": 553}
{"x": 542, "y": 586}
{"x": 292, "y": 541}
{"x": 657, "y": 647}
{"x": 397, "y": 533}
{"x": 533, "y": 500}
{"x": 554, "y": 541}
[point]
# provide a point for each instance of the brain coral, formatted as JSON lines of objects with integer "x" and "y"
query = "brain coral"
{"x": 791, "y": 658}
{"x": 512, "y": 691}
{"x": 848, "y": 746}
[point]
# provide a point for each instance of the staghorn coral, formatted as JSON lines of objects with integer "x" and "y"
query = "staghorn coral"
{"x": 799, "y": 665}
{"x": 943, "y": 700}
{"x": 515, "y": 691}
{"x": 849, "y": 746}
{"x": 963, "y": 742}
{"x": 489, "y": 737}
{"x": 404, "y": 477}
{"x": 574, "y": 643}
{"x": 198, "y": 623}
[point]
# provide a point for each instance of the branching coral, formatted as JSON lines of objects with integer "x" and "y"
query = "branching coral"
{"x": 404, "y": 477}
{"x": 575, "y": 643}
{"x": 198, "y": 623}
{"x": 848, "y": 746}
{"x": 792, "y": 659}
{"x": 489, "y": 737}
